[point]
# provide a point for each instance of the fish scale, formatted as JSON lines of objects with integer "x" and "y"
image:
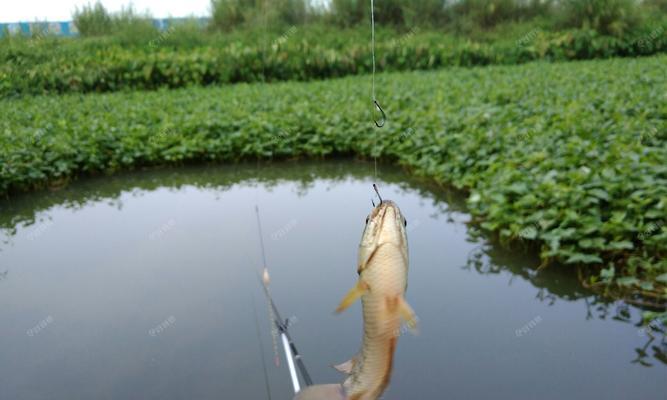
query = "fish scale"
{"x": 381, "y": 325}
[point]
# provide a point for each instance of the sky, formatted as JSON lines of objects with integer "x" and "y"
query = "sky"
{"x": 61, "y": 10}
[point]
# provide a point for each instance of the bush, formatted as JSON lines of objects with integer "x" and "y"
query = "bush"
{"x": 131, "y": 27}
{"x": 289, "y": 12}
{"x": 229, "y": 14}
{"x": 397, "y": 13}
{"x": 427, "y": 12}
{"x": 389, "y": 12}
{"x": 93, "y": 20}
{"x": 608, "y": 17}
{"x": 348, "y": 12}
{"x": 484, "y": 13}
{"x": 656, "y": 5}
{"x": 184, "y": 34}
{"x": 105, "y": 64}
{"x": 127, "y": 25}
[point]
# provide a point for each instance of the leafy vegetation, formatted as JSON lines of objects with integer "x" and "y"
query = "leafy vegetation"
{"x": 95, "y": 20}
{"x": 467, "y": 15}
{"x": 569, "y": 157}
{"x": 295, "y": 40}
{"x": 230, "y": 14}
{"x": 180, "y": 57}
{"x": 609, "y": 16}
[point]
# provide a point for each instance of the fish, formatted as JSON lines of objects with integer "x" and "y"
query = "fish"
{"x": 383, "y": 280}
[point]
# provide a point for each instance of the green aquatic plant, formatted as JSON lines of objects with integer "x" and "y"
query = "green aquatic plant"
{"x": 568, "y": 157}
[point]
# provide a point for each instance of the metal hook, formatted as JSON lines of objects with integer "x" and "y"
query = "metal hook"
{"x": 378, "y": 193}
{"x": 384, "y": 116}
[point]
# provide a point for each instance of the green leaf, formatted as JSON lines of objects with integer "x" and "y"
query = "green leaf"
{"x": 528, "y": 232}
{"x": 594, "y": 243}
{"x": 583, "y": 259}
{"x": 620, "y": 245}
{"x": 608, "y": 273}
{"x": 599, "y": 193}
{"x": 627, "y": 281}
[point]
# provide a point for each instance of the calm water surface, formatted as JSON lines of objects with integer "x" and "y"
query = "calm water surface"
{"x": 141, "y": 286}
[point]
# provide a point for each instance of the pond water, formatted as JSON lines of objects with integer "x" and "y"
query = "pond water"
{"x": 142, "y": 286}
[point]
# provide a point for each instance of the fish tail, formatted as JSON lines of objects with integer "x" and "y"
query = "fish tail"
{"x": 322, "y": 392}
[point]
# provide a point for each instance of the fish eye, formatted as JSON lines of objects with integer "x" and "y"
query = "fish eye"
{"x": 366, "y": 220}
{"x": 405, "y": 223}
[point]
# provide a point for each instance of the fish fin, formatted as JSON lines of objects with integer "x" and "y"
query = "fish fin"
{"x": 353, "y": 295}
{"x": 408, "y": 315}
{"x": 322, "y": 392}
{"x": 346, "y": 367}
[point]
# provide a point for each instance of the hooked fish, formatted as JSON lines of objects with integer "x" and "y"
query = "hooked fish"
{"x": 383, "y": 280}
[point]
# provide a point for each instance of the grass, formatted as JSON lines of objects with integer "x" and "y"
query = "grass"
{"x": 183, "y": 57}
{"x": 568, "y": 157}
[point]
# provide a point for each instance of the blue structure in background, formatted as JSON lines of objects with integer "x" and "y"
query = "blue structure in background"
{"x": 67, "y": 28}
{"x": 30, "y": 28}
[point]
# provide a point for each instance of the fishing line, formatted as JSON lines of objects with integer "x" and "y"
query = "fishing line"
{"x": 261, "y": 350}
{"x": 379, "y": 124}
{"x": 291, "y": 353}
{"x": 266, "y": 40}
{"x": 375, "y": 140}
{"x": 265, "y": 282}
{"x": 261, "y": 238}
{"x": 376, "y": 104}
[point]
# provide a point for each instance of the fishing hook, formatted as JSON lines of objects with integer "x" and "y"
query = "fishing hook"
{"x": 378, "y": 193}
{"x": 384, "y": 116}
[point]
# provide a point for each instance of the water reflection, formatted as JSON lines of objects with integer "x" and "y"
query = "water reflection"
{"x": 659, "y": 351}
{"x": 22, "y": 209}
{"x": 483, "y": 307}
{"x": 556, "y": 283}
{"x": 655, "y": 348}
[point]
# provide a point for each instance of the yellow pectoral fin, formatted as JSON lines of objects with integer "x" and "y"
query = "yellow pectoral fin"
{"x": 353, "y": 295}
{"x": 408, "y": 315}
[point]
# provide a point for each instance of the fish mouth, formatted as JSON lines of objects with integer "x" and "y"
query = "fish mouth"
{"x": 381, "y": 211}
{"x": 385, "y": 226}
{"x": 382, "y": 217}
{"x": 388, "y": 217}
{"x": 382, "y": 208}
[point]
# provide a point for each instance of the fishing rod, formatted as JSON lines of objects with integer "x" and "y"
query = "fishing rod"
{"x": 292, "y": 355}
